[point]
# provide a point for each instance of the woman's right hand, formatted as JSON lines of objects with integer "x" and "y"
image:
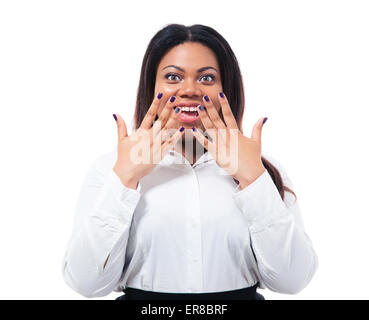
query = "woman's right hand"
{"x": 130, "y": 166}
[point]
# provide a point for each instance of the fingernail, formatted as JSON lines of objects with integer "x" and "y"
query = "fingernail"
{"x": 181, "y": 129}
{"x": 115, "y": 117}
{"x": 160, "y": 95}
{"x": 207, "y": 98}
{"x": 201, "y": 107}
{"x": 193, "y": 129}
{"x": 221, "y": 94}
{"x": 265, "y": 119}
{"x": 177, "y": 109}
{"x": 172, "y": 98}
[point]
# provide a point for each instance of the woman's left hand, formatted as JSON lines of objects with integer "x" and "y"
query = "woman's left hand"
{"x": 237, "y": 154}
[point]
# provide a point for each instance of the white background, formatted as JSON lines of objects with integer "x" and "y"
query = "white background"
{"x": 66, "y": 66}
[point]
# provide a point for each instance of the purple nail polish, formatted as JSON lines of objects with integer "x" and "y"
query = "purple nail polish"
{"x": 115, "y": 117}
{"x": 181, "y": 129}
{"x": 201, "y": 108}
{"x": 193, "y": 129}
{"x": 159, "y": 95}
{"x": 207, "y": 98}
{"x": 172, "y": 98}
{"x": 265, "y": 119}
{"x": 221, "y": 94}
{"x": 177, "y": 109}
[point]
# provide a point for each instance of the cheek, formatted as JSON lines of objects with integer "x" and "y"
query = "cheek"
{"x": 167, "y": 91}
{"x": 164, "y": 87}
{"x": 215, "y": 100}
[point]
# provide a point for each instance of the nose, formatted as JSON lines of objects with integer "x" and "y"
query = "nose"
{"x": 189, "y": 88}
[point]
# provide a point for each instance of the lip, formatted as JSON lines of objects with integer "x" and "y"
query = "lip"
{"x": 182, "y": 118}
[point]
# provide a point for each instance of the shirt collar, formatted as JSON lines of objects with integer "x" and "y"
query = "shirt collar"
{"x": 174, "y": 157}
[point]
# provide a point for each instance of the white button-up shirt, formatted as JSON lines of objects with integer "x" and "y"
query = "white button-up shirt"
{"x": 186, "y": 229}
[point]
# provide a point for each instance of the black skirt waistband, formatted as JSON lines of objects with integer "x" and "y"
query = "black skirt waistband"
{"x": 240, "y": 294}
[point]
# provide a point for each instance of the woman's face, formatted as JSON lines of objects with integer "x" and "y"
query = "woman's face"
{"x": 178, "y": 75}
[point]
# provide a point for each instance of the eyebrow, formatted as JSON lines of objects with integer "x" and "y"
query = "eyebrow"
{"x": 180, "y": 69}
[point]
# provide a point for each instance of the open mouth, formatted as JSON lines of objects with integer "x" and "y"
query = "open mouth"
{"x": 188, "y": 114}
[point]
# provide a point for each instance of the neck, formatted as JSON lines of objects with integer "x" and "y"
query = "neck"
{"x": 190, "y": 148}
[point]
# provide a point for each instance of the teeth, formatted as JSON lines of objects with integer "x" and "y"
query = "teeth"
{"x": 188, "y": 109}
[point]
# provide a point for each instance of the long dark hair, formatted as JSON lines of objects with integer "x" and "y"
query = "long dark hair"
{"x": 175, "y": 34}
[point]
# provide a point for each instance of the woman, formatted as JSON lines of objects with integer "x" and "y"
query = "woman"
{"x": 168, "y": 215}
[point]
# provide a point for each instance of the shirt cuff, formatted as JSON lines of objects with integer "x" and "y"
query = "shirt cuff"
{"x": 260, "y": 202}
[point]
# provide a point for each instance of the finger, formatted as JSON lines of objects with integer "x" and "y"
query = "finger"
{"x": 227, "y": 111}
{"x": 207, "y": 123}
{"x": 160, "y": 135}
{"x": 173, "y": 119}
{"x": 257, "y": 129}
{"x": 202, "y": 139}
{"x": 165, "y": 113}
{"x": 151, "y": 113}
{"x": 172, "y": 141}
{"x": 121, "y": 125}
{"x": 213, "y": 113}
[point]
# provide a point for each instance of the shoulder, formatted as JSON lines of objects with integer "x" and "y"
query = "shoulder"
{"x": 286, "y": 180}
{"x": 275, "y": 163}
{"x": 104, "y": 163}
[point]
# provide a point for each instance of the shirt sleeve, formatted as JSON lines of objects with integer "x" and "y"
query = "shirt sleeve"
{"x": 95, "y": 255}
{"x": 284, "y": 253}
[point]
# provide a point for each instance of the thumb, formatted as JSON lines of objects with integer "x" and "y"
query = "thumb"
{"x": 256, "y": 130}
{"x": 122, "y": 128}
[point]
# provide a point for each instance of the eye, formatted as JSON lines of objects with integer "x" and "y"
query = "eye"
{"x": 208, "y": 75}
{"x": 170, "y": 75}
